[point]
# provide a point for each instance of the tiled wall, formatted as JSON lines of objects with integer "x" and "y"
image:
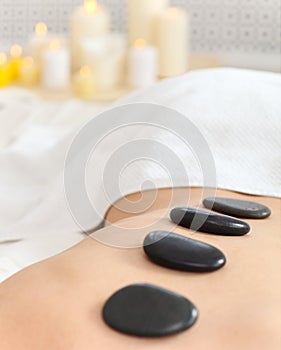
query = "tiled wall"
{"x": 250, "y": 26}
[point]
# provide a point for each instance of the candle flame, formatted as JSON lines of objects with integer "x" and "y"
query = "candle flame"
{"x": 55, "y": 45}
{"x": 16, "y": 51}
{"x": 90, "y": 6}
{"x": 3, "y": 59}
{"x": 140, "y": 44}
{"x": 28, "y": 62}
{"x": 41, "y": 29}
{"x": 85, "y": 71}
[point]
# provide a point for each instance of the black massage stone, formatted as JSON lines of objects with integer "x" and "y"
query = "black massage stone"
{"x": 180, "y": 253}
{"x": 204, "y": 221}
{"x": 237, "y": 208}
{"x": 149, "y": 311}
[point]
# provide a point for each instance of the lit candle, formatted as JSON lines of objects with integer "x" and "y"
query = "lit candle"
{"x": 106, "y": 58}
{"x": 5, "y": 73}
{"x": 39, "y": 42}
{"x": 84, "y": 83}
{"x": 142, "y": 65}
{"x": 142, "y": 15}
{"x": 15, "y": 60}
{"x": 172, "y": 42}
{"x": 28, "y": 72}
{"x": 55, "y": 66}
{"x": 88, "y": 21}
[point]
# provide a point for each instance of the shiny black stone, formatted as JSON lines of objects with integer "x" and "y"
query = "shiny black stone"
{"x": 182, "y": 253}
{"x": 149, "y": 311}
{"x": 204, "y": 221}
{"x": 237, "y": 208}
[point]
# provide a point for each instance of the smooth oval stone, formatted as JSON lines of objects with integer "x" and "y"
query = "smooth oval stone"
{"x": 177, "y": 252}
{"x": 203, "y": 221}
{"x": 238, "y": 208}
{"x": 149, "y": 311}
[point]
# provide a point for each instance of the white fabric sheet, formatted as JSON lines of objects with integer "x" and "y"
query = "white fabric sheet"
{"x": 238, "y": 112}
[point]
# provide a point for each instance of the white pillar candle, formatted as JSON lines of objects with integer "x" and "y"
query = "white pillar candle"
{"x": 172, "y": 41}
{"x": 142, "y": 65}
{"x": 142, "y": 14}
{"x": 38, "y": 42}
{"x": 88, "y": 21}
{"x": 106, "y": 58}
{"x": 55, "y": 67}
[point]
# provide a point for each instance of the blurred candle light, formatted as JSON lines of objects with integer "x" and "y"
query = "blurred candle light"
{"x": 172, "y": 34}
{"x": 140, "y": 44}
{"x": 90, "y": 20}
{"x": 55, "y": 66}
{"x": 5, "y": 73}
{"x": 90, "y": 6}
{"x": 41, "y": 29}
{"x": 55, "y": 45}
{"x": 39, "y": 42}
{"x": 84, "y": 83}
{"x": 16, "y": 51}
{"x": 15, "y": 60}
{"x": 28, "y": 72}
{"x": 142, "y": 17}
{"x": 142, "y": 64}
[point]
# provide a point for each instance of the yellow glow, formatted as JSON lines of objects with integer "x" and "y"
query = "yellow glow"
{"x": 85, "y": 71}
{"x": 16, "y": 51}
{"x": 140, "y": 44}
{"x": 5, "y": 72}
{"x": 90, "y": 6}
{"x": 41, "y": 29}
{"x": 3, "y": 59}
{"x": 173, "y": 12}
{"x": 28, "y": 62}
{"x": 55, "y": 45}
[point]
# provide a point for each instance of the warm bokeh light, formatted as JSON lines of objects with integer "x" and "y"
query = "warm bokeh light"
{"x": 16, "y": 51}
{"x": 85, "y": 71}
{"x": 41, "y": 29}
{"x": 3, "y": 59}
{"x": 173, "y": 12}
{"x": 90, "y": 6}
{"x": 140, "y": 43}
{"x": 28, "y": 62}
{"x": 55, "y": 45}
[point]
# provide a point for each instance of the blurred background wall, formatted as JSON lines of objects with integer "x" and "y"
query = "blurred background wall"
{"x": 245, "y": 33}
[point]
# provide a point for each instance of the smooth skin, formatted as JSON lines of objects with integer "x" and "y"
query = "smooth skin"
{"x": 57, "y": 304}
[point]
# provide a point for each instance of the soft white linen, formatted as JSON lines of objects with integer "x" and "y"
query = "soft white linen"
{"x": 238, "y": 112}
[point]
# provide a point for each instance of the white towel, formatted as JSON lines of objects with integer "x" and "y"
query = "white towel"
{"x": 238, "y": 113}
